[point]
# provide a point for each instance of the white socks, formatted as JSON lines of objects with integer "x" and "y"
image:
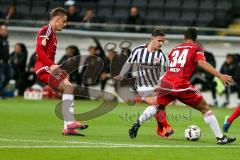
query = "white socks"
{"x": 147, "y": 114}
{"x": 210, "y": 118}
{"x": 67, "y": 109}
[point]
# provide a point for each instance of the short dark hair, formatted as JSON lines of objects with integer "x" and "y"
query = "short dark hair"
{"x": 191, "y": 33}
{"x": 59, "y": 11}
{"x": 158, "y": 32}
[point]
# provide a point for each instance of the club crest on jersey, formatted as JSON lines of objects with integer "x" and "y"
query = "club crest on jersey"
{"x": 156, "y": 60}
{"x": 200, "y": 53}
{"x": 44, "y": 41}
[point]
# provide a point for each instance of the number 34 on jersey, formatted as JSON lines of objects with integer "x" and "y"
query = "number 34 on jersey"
{"x": 177, "y": 60}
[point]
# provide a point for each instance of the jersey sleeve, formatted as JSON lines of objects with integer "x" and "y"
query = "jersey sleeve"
{"x": 42, "y": 40}
{"x": 125, "y": 69}
{"x": 199, "y": 54}
{"x": 133, "y": 56}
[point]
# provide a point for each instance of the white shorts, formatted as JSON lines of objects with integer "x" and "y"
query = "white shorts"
{"x": 146, "y": 91}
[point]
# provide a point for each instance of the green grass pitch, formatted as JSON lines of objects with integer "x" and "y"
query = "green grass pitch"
{"x": 29, "y": 130}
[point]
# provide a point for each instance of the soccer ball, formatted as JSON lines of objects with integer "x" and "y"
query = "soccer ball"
{"x": 192, "y": 133}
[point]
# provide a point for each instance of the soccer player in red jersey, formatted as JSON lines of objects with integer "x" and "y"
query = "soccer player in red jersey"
{"x": 228, "y": 120}
{"x": 183, "y": 60}
{"x": 50, "y": 73}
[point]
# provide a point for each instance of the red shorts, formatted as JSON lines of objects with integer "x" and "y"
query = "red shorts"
{"x": 53, "y": 81}
{"x": 191, "y": 97}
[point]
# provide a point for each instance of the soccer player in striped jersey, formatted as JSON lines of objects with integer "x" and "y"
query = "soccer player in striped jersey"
{"x": 150, "y": 62}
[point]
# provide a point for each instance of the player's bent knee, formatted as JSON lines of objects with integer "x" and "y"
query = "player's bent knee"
{"x": 203, "y": 107}
{"x": 66, "y": 87}
{"x": 161, "y": 107}
{"x": 150, "y": 100}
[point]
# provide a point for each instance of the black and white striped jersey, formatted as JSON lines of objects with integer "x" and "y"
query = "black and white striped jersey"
{"x": 150, "y": 65}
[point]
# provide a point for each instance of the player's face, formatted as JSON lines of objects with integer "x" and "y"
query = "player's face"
{"x": 158, "y": 41}
{"x": 61, "y": 22}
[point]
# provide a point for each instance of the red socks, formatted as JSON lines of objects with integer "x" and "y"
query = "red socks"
{"x": 161, "y": 118}
{"x": 234, "y": 115}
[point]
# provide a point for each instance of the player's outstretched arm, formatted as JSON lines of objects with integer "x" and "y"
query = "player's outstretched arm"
{"x": 124, "y": 70}
{"x": 226, "y": 79}
{"x": 127, "y": 65}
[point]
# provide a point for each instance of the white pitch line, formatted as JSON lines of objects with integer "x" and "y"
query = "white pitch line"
{"x": 68, "y": 142}
{"x": 104, "y": 145}
{"x": 124, "y": 146}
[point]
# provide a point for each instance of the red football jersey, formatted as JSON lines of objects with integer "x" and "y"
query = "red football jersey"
{"x": 182, "y": 63}
{"x": 45, "y": 48}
